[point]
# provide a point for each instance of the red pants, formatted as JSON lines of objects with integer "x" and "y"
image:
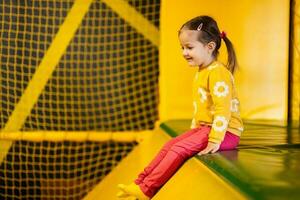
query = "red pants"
{"x": 174, "y": 153}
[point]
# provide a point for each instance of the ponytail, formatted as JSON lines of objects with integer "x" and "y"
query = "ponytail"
{"x": 231, "y": 60}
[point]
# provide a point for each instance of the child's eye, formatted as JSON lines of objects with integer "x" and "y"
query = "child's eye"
{"x": 189, "y": 48}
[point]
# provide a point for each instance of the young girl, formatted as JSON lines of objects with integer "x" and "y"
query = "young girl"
{"x": 216, "y": 124}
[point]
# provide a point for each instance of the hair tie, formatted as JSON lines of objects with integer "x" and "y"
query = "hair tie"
{"x": 223, "y": 35}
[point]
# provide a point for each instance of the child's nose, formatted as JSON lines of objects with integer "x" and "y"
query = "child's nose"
{"x": 184, "y": 52}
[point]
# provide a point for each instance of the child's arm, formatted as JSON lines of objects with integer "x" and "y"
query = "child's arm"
{"x": 220, "y": 86}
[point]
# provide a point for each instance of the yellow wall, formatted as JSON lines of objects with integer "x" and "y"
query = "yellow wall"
{"x": 295, "y": 110}
{"x": 259, "y": 32}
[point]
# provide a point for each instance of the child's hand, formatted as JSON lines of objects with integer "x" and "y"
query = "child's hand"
{"x": 211, "y": 148}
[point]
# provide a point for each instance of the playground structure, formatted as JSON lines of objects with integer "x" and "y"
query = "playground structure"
{"x": 86, "y": 83}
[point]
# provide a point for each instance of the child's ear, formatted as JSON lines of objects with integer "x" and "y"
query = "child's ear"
{"x": 211, "y": 46}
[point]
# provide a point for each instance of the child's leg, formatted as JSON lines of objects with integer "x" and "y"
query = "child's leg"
{"x": 230, "y": 141}
{"x": 177, "y": 154}
{"x": 162, "y": 153}
{"x": 184, "y": 148}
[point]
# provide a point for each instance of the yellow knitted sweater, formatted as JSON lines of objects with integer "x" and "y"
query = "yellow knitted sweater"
{"x": 215, "y": 102}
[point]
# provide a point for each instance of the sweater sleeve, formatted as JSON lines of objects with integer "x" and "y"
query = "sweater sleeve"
{"x": 220, "y": 86}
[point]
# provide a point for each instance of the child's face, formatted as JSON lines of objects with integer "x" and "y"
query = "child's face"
{"x": 196, "y": 53}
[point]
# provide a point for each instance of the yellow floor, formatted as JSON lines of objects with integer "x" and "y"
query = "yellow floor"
{"x": 192, "y": 181}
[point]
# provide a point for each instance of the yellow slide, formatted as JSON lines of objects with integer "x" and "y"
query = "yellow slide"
{"x": 192, "y": 181}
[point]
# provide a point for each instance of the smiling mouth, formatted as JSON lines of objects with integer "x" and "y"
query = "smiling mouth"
{"x": 189, "y": 59}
